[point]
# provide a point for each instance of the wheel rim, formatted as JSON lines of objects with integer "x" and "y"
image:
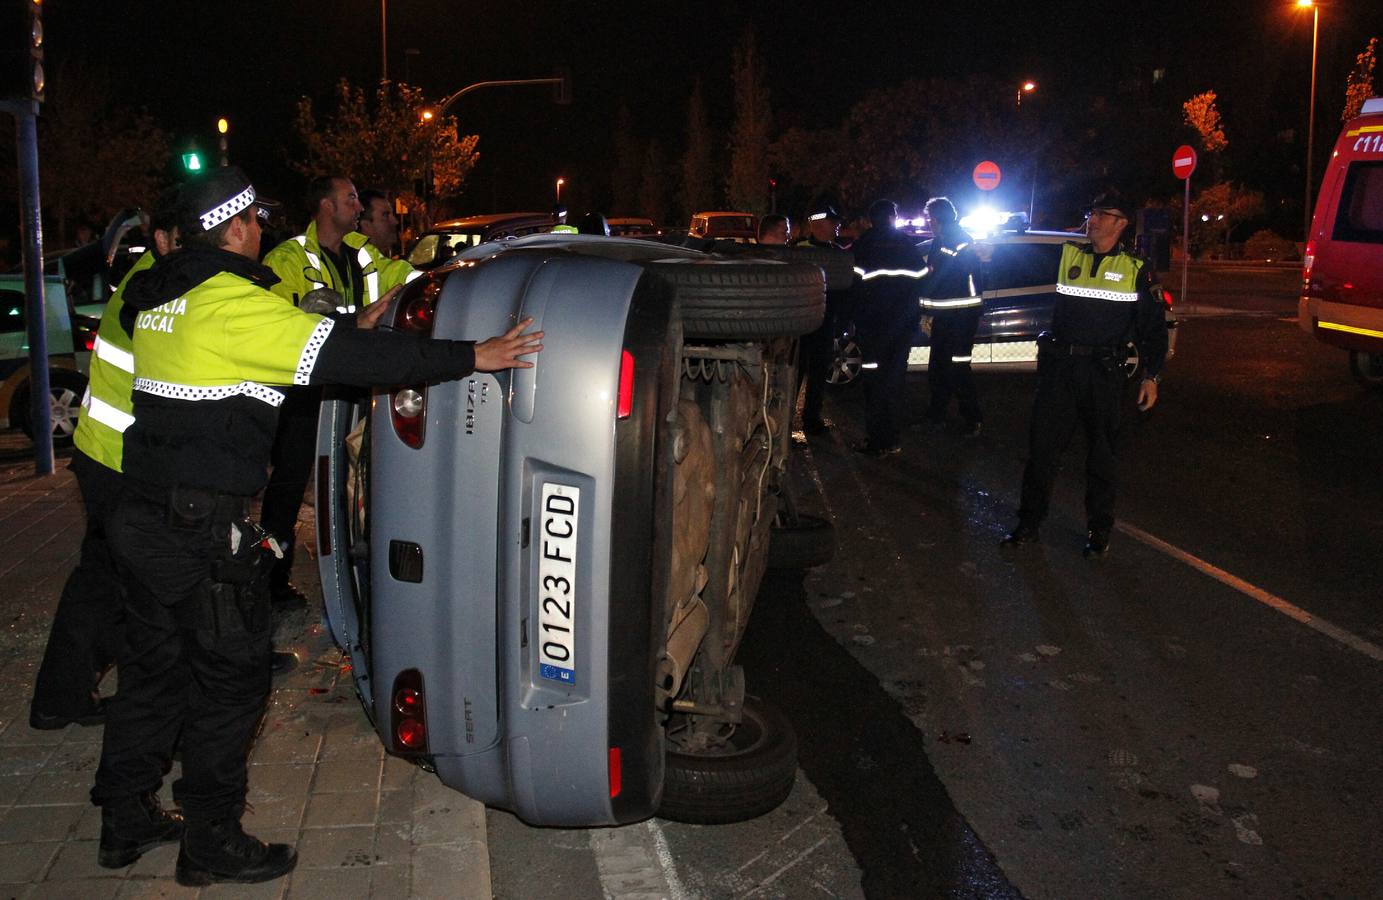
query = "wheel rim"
{"x": 1370, "y": 365}
{"x": 737, "y": 740}
{"x": 846, "y": 361}
{"x": 65, "y": 404}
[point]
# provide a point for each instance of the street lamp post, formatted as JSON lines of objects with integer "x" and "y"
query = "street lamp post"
{"x": 222, "y": 127}
{"x": 1027, "y": 87}
{"x": 1310, "y": 116}
{"x": 383, "y": 40}
{"x": 560, "y": 182}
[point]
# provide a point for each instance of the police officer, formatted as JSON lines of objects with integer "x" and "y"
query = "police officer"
{"x": 951, "y": 298}
{"x": 818, "y": 348}
{"x": 378, "y": 222}
{"x": 1106, "y": 298}
{"x": 209, "y": 341}
{"x": 330, "y": 254}
{"x": 85, "y": 634}
{"x": 890, "y": 267}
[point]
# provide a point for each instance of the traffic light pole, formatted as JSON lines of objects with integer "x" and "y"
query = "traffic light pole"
{"x": 25, "y": 114}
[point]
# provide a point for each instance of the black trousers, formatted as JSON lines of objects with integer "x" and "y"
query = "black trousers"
{"x": 194, "y": 663}
{"x": 85, "y": 634}
{"x": 814, "y": 352}
{"x": 948, "y": 371}
{"x": 884, "y": 383}
{"x": 1074, "y": 391}
{"x": 295, "y": 450}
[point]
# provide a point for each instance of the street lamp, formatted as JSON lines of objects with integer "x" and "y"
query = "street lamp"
{"x": 560, "y": 182}
{"x": 1026, "y": 87}
{"x": 1310, "y": 116}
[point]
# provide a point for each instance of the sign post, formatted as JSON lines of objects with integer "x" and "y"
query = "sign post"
{"x": 1183, "y": 164}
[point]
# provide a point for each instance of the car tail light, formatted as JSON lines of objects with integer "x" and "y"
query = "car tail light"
{"x": 1308, "y": 259}
{"x": 616, "y": 772}
{"x": 1166, "y": 298}
{"x": 626, "y": 386}
{"x": 414, "y": 313}
{"x": 408, "y": 714}
{"x": 89, "y": 341}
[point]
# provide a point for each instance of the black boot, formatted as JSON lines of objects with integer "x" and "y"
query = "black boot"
{"x": 131, "y": 826}
{"x": 222, "y": 851}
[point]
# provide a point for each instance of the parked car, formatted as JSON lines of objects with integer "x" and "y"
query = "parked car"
{"x": 1019, "y": 293}
{"x": 632, "y": 226}
{"x": 542, "y": 576}
{"x": 445, "y": 240}
{"x": 724, "y": 226}
{"x": 1342, "y": 276}
{"x": 70, "y": 340}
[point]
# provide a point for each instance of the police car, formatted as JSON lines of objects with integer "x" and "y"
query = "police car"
{"x": 1019, "y": 293}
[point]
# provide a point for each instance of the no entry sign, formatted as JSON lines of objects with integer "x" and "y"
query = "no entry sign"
{"x": 986, "y": 175}
{"x": 1184, "y": 161}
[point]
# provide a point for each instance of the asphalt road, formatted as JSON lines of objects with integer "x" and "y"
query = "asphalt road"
{"x": 1193, "y": 716}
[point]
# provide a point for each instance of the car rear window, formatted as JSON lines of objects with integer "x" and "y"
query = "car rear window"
{"x": 1022, "y": 266}
{"x": 1360, "y": 218}
{"x": 727, "y": 224}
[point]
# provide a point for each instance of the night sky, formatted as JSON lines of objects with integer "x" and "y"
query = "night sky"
{"x": 189, "y": 62}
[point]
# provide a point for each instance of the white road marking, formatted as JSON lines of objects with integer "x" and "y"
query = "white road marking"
{"x": 790, "y": 864}
{"x": 635, "y": 863}
{"x": 1272, "y": 601}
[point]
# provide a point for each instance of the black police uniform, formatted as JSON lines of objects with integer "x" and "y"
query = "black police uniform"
{"x": 1081, "y": 381}
{"x": 951, "y": 297}
{"x": 818, "y": 348}
{"x": 194, "y": 666}
{"x": 889, "y": 266}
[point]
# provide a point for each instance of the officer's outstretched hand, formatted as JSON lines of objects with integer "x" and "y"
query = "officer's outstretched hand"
{"x": 1147, "y": 395}
{"x": 368, "y": 316}
{"x": 503, "y": 352}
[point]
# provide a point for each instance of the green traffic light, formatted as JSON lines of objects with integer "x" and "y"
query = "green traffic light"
{"x": 192, "y": 162}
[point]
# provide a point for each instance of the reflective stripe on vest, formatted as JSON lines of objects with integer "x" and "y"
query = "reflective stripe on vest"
{"x": 313, "y": 260}
{"x": 960, "y": 359}
{"x": 868, "y": 274}
{"x": 108, "y": 352}
{"x": 951, "y": 302}
{"x": 221, "y": 392}
{"x": 101, "y": 411}
{"x": 363, "y": 257}
{"x": 1115, "y": 280}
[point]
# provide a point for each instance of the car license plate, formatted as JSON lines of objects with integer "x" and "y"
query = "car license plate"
{"x": 557, "y": 582}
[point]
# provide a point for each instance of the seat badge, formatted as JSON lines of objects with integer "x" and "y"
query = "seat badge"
{"x": 1073, "y": 272}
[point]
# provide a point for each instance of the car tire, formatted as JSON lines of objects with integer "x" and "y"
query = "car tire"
{"x": 837, "y": 265}
{"x": 744, "y": 300}
{"x": 753, "y": 776}
{"x": 66, "y": 388}
{"x": 1367, "y": 368}
{"x": 808, "y": 543}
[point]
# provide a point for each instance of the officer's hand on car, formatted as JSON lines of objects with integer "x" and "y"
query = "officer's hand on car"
{"x": 368, "y": 316}
{"x": 1147, "y": 395}
{"x": 503, "y": 352}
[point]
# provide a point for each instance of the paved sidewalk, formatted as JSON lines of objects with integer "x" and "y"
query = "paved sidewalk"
{"x": 365, "y": 824}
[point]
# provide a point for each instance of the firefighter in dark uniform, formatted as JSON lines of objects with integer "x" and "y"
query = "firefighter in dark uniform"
{"x": 818, "y": 348}
{"x": 1107, "y": 298}
{"x": 951, "y": 299}
{"x": 209, "y": 341}
{"x": 889, "y": 267}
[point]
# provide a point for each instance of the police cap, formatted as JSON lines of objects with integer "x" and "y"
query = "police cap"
{"x": 1112, "y": 201}
{"x": 218, "y": 196}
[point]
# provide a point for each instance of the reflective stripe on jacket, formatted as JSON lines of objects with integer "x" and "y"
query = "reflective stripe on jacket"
{"x": 107, "y": 408}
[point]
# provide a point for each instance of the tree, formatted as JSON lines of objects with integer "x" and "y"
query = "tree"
{"x": 698, "y": 187}
{"x": 1201, "y": 114}
{"x": 653, "y": 189}
{"x": 96, "y": 157}
{"x": 1217, "y": 210}
{"x": 749, "y": 136}
{"x": 389, "y": 146}
{"x": 628, "y": 155}
{"x": 1359, "y": 85}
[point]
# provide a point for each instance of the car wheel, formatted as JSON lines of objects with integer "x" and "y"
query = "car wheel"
{"x": 837, "y": 265}
{"x": 846, "y": 360}
{"x": 1133, "y": 366}
{"x": 1367, "y": 368}
{"x": 65, "y": 391}
{"x": 749, "y": 772}
{"x": 809, "y": 542}
{"x": 744, "y": 300}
